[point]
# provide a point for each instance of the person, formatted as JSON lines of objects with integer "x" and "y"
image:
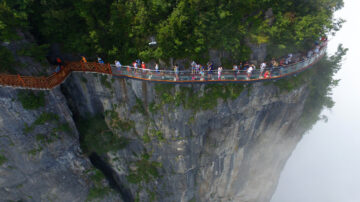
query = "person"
{"x": 135, "y": 65}
{"x": 246, "y": 65}
{"x": 176, "y": 70}
{"x": 156, "y": 67}
{"x": 117, "y": 64}
{"x": 193, "y": 67}
{"x": 100, "y": 60}
{"x": 267, "y": 74}
{"x": 289, "y": 58}
{"x": 219, "y": 72}
{"x": 317, "y": 49}
{"x": 197, "y": 68}
{"x": 249, "y": 72}
{"x": 310, "y": 53}
{"x": 83, "y": 59}
{"x": 210, "y": 72}
{"x": 235, "y": 69}
{"x": 202, "y": 74}
{"x": 58, "y": 62}
{"x": 262, "y": 69}
{"x": 143, "y": 65}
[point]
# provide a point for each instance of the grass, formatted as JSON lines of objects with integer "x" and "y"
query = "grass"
{"x": 97, "y": 137}
{"x": 31, "y": 100}
{"x": 3, "y": 159}
{"x": 146, "y": 170}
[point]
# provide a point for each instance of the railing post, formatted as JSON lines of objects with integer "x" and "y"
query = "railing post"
{"x": 21, "y": 80}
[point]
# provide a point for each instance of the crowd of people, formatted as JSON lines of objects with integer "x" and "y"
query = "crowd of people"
{"x": 206, "y": 72}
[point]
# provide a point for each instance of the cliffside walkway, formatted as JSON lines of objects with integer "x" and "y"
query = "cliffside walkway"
{"x": 162, "y": 76}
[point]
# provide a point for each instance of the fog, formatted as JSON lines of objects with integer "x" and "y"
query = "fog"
{"x": 325, "y": 166}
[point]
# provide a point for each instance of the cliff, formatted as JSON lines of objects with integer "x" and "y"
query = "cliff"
{"x": 110, "y": 139}
{"x": 199, "y": 143}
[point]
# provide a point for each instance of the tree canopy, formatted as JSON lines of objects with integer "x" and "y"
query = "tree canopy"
{"x": 121, "y": 29}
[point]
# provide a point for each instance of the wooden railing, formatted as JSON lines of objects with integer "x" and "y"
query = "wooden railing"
{"x": 41, "y": 82}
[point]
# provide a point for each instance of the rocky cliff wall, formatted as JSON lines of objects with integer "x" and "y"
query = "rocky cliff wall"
{"x": 40, "y": 157}
{"x": 194, "y": 142}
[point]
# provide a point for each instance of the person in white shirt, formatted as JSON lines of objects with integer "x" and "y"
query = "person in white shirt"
{"x": 117, "y": 64}
{"x": 249, "y": 71}
{"x": 262, "y": 69}
{"x": 219, "y": 72}
{"x": 156, "y": 67}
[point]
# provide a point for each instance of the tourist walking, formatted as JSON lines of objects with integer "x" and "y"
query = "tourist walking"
{"x": 117, "y": 65}
{"x": 219, "y": 72}
{"x": 235, "y": 69}
{"x": 249, "y": 72}
{"x": 157, "y": 67}
{"x": 100, "y": 61}
{"x": 262, "y": 69}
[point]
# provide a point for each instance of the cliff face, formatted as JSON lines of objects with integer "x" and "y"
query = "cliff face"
{"x": 40, "y": 155}
{"x": 192, "y": 143}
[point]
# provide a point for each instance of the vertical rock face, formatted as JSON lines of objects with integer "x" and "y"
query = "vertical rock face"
{"x": 183, "y": 147}
{"x": 40, "y": 157}
{"x": 43, "y": 160}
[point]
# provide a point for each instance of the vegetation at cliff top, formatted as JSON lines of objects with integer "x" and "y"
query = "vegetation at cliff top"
{"x": 321, "y": 85}
{"x": 95, "y": 136}
{"x": 119, "y": 29}
{"x": 31, "y": 100}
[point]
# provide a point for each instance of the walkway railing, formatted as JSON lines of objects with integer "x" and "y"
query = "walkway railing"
{"x": 165, "y": 76}
{"x": 187, "y": 76}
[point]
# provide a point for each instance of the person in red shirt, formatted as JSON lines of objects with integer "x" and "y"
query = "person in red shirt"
{"x": 267, "y": 75}
{"x": 143, "y": 66}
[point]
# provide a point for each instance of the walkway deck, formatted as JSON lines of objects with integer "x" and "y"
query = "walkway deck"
{"x": 183, "y": 77}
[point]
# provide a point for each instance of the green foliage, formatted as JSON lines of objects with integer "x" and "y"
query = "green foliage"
{"x": 34, "y": 151}
{"x": 42, "y": 119}
{"x": 139, "y": 106}
{"x": 38, "y": 52}
{"x": 97, "y": 137}
{"x": 158, "y": 135}
{"x": 183, "y": 29}
{"x": 43, "y": 139}
{"x": 46, "y": 117}
{"x": 117, "y": 123}
{"x": 190, "y": 99}
{"x": 13, "y": 15}
{"x": 321, "y": 84}
{"x": 146, "y": 170}
{"x": 105, "y": 82}
{"x": 7, "y": 61}
{"x": 3, "y": 159}
{"x": 146, "y": 138}
{"x": 98, "y": 191}
{"x": 31, "y": 100}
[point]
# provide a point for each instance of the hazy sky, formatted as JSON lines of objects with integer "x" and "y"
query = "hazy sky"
{"x": 325, "y": 166}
